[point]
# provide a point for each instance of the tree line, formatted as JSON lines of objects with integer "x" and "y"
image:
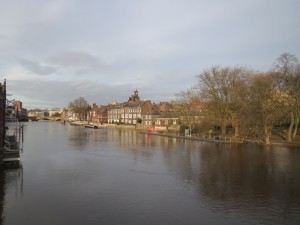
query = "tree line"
{"x": 238, "y": 101}
{"x": 249, "y": 103}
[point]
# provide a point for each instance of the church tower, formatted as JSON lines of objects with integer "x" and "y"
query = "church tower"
{"x": 136, "y": 95}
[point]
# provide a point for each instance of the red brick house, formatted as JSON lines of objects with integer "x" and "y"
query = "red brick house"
{"x": 99, "y": 114}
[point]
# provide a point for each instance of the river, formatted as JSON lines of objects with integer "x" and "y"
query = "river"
{"x": 72, "y": 175}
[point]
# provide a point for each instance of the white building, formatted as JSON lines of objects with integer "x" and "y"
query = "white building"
{"x": 55, "y": 111}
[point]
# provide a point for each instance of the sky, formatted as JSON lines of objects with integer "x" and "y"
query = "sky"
{"x": 52, "y": 52}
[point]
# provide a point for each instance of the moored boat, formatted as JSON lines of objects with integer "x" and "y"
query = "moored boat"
{"x": 76, "y": 123}
{"x": 91, "y": 126}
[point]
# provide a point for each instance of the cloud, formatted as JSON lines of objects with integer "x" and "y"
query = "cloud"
{"x": 52, "y": 10}
{"x": 66, "y": 63}
{"x": 37, "y": 67}
{"x": 78, "y": 62}
{"x": 48, "y": 94}
{"x": 3, "y": 37}
{"x": 105, "y": 49}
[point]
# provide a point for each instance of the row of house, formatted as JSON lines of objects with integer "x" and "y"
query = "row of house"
{"x": 132, "y": 112}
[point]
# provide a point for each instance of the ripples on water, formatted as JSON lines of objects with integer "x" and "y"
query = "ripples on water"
{"x": 73, "y": 175}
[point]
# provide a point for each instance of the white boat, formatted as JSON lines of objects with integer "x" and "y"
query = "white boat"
{"x": 76, "y": 123}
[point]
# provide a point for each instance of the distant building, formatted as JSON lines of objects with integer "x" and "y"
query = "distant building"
{"x": 149, "y": 118}
{"x": 129, "y": 112}
{"x": 65, "y": 114}
{"x": 20, "y": 112}
{"x": 133, "y": 111}
{"x": 167, "y": 121}
{"x": 99, "y": 114}
{"x": 116, "y": 113}
{"x": 135, "y": 97}
{"x": 55, "y": 112}
{"x": 43, "y": 113}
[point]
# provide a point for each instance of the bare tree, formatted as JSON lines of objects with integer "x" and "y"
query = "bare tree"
{"x": 188, "y": 108}
{"x": 288, "y": 81}
{"x": 268, "y": 107}
{"x": 223, "y": 91}
{"x": 80, "y": 107}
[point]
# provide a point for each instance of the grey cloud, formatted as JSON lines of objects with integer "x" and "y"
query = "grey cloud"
{"x": 39, "y": 93}
{"x": 48, "y": 94}
{"x": 38, "y": 68}
{"x": 78, "y": 62}
{"x": 3, "y": 37}
{"x": 66, "y": 63}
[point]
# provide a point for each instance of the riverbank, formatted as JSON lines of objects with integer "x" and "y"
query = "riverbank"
{"x": 215, "y": 139}
{"x": 276, "y": 140}
{"x": 279, "y": 141}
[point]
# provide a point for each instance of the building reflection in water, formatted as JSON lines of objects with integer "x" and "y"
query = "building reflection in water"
{"x": 80, "y": 137}
{"x": 226, "y": 178}
{"x": 11, "y": 183}
{"x": 241, "y": 178}
{"x": 1, "y": 196}
{"x": 138, "y": 144}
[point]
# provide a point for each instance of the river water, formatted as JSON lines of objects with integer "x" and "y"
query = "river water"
{"x": 72, "y": 175}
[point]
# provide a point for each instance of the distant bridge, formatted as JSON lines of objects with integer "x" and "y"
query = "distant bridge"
{"x": 37, "y": 118}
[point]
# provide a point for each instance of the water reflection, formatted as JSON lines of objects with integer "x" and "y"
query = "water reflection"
{"x": 259, "y": 182}
{"x": 78, "y": 139}
{"x": 230, "y": 178}
{"x": 1, "y": 197}
{"x": 111, "y": 176}
{"x": 11, "y": 184}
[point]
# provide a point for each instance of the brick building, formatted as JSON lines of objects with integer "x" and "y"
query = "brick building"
{"x": 2, "y": 118}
